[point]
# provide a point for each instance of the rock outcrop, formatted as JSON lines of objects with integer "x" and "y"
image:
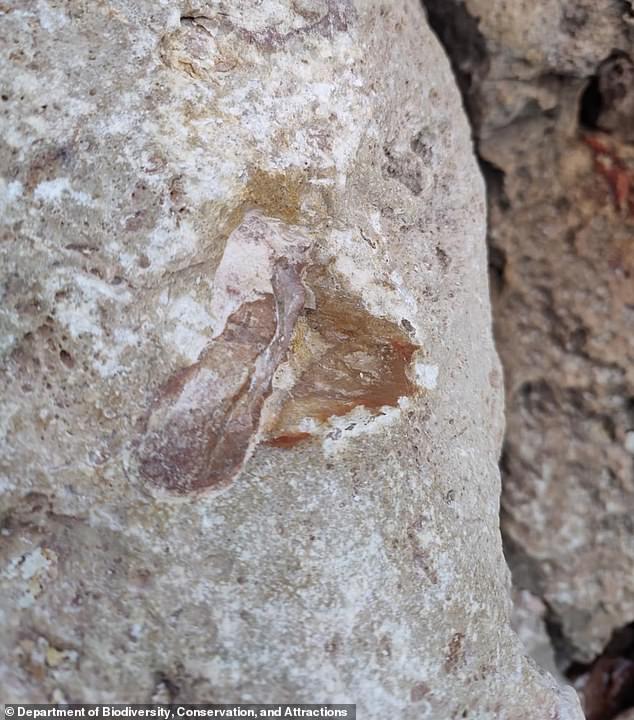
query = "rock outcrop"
{"x": 251, "y": 406}
{"x": 550, "y": 89}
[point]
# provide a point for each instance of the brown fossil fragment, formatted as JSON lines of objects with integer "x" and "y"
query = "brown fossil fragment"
{"x": 205, "y": 416}
{"x": 344, "y": 358}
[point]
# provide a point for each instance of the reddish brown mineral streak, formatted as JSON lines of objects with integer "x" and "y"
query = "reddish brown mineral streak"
{"x": 287, "y": 441}
{"x": 197, "y": 437}
{"x": 608, "y": 164}
{"x": 365, "y": 363}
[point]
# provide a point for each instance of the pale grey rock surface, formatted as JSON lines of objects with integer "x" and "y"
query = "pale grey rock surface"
{"x": 528, "y": 619}
{"x": 550, "y": 88}
{"x": 251, "y": 407}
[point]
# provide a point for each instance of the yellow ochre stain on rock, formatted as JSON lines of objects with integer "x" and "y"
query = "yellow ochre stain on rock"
{"x": 276, "y": 194}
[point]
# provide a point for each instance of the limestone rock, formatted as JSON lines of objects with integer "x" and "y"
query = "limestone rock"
{"x": 251, "y": 406}
{"x": 528, "y": 619}
{"x": 551, "y": 89}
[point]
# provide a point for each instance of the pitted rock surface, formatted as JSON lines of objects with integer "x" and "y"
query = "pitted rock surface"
{"x": 213, "y": 214}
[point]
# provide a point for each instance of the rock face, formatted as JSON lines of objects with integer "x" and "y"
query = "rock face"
{"x": 550, "y": 88}
{"x": 251, "y": 406}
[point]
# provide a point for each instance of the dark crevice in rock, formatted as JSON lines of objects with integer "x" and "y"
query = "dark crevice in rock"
{"x": 606, "y": 685}
{"x": 607, "y": 103}
{"x": 497, "y": 266}
{"x": 494, "y": 178}
{"x": 590, "y": 105}
{"x": 629, "y": 412}
{"x": 537, "y": 398}
{"x": 459, "y": 33}
{"x": 562, "y": 647}
{"x": 605, "y": 121}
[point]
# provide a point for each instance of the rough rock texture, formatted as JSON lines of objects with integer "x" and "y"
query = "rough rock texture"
{"x": 550, "y": 89}
{"x": 251, "y": 407}
{"x": 529, "y": 620}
